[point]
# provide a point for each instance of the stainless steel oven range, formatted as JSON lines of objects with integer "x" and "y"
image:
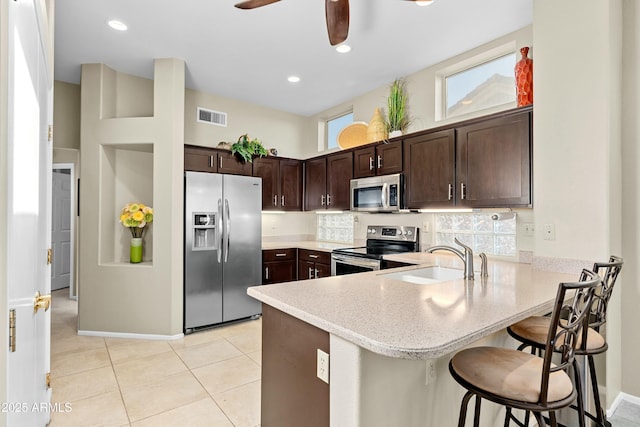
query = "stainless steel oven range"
{"x": 381, "y": 241}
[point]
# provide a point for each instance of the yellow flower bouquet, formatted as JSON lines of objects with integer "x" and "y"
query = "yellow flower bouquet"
{"x": 136, "y": 216}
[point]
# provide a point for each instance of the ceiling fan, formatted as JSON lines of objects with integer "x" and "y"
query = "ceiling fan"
{"x": 336, "y": 11}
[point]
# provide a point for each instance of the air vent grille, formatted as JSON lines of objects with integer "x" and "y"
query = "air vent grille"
{"x": 212, "y": 117}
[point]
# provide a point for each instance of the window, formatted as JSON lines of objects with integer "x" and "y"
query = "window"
{"x": 478, "y": 231}
{"x": 334, "y": 126}
{"x": 480, "y": 85}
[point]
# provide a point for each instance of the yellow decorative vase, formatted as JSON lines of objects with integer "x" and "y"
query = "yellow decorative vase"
{"x": 377, "y": 129}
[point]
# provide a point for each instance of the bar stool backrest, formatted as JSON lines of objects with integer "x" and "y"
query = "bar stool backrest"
{"x": 609, "y": 272}
{"x": 574, "y": 301}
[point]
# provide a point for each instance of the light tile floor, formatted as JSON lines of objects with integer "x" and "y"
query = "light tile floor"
{"x": 210, "y": 378}
{"x": 207, "y": 379}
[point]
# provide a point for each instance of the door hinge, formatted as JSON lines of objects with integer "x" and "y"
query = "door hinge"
{"x": 49, "y": 256}
{"x": 12, "y": 330}
{"x": 47, "y": 380}
{"x": 50, "y": 133}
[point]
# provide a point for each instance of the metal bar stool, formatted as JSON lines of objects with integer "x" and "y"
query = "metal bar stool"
{"x": 532, "y": 333}
{"x": 525, "y": 381}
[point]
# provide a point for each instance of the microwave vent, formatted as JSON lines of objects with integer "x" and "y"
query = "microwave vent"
{"x": 212, "y": 117}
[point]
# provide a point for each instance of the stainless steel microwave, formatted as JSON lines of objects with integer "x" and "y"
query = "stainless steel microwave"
{"x": 377, "y": 193}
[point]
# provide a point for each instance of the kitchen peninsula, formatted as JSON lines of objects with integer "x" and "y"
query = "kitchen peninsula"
{"x": 389, "y": 341}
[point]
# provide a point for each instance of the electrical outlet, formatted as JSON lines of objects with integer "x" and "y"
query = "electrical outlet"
{"x": 549, "y": 232}
{"x": 426, "y": 227}
{"x": 322, "y": 366}
{"x": 431, "y": 372}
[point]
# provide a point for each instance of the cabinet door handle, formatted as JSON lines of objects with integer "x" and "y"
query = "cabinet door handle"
{"x": 316, "y": 271}
{"x": 266, "y": 273}
{"x": 210, "y": 161}
{"x": 379, "y": 162}
{"x": 370, "y": 163}
{"x": 450, "y": 192}
{"x": 283, "y": 200}
{"x": 220, "y": 166}
{"x": 284, "y": 254}
{"x": 310, "y": 273}
{"x": 328, "y": 199}
{"x": 322, "y": 200}
{"x": 313, "y": 256}
{"x": 463, "y": 193}
{"x": 275, "y": 200}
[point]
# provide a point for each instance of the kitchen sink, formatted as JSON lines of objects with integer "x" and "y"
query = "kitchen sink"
{"x": 427, "y": 275}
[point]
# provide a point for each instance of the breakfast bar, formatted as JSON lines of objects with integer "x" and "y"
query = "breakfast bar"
{"x": 390, "y": 340}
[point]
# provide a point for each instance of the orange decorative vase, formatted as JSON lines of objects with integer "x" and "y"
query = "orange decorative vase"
{"x": 524, "y": 79}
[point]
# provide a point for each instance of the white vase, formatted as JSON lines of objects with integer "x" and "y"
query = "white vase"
{"x": 395, "y": 133}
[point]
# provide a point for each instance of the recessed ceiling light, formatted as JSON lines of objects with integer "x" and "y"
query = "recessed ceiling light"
{"x": 424, "y": 2}
{"x": 343, "y": 48}
{"x": 466, "y": 102}
{"x": 293, "y": 79}
{"x": 117, "y": 25}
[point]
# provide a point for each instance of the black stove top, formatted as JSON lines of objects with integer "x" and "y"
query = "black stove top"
{"x": 385, "y": 240}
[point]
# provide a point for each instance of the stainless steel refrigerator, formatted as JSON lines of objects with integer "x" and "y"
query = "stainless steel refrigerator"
{"x": 222, "y": 252}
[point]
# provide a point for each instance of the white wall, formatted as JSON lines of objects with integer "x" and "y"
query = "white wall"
{"x": 577, "y": 79}
{"x": 629, "y": 291}
{"x": 287, "y": 132}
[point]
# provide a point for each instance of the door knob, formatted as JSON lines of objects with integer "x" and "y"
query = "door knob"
{"x": 41, "y": 301}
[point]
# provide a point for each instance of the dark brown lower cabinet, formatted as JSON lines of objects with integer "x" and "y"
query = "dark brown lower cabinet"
{"x": 279, "y": 265}
{"x": 292, "y": 395}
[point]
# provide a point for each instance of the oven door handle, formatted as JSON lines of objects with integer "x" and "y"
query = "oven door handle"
{"x": 357, "y": 261}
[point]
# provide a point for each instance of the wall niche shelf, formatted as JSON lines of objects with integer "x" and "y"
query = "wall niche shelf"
{"x": 126, "y": 175}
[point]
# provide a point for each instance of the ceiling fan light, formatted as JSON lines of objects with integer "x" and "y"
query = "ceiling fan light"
{"x": 424, "y": 2}
{"x": 117, "y": 25}
{"x": 293, "y": 79}
{"x": 343, "y": 48}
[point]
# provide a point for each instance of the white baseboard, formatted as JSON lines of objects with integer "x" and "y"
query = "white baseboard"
{"x": 618, "y": 400}
{"x": 131, "y": 336}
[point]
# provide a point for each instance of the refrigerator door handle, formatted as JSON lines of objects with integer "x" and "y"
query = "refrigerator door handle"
{"x": 219, "y": 231}
{"x": 227, "y": 229}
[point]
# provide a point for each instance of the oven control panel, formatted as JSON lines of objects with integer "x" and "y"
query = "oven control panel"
{"x": 394, "y": 232}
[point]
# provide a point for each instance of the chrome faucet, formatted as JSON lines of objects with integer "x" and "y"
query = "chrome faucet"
{"x": 466, "y": 256}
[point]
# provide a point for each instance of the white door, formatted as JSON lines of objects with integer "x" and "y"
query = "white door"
{"x": 61, "y": 229}
{"x": 28, "y": 214}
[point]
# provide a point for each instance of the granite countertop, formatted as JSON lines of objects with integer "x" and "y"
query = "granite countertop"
{"x": 404, "y": 320}
{"x": 307, "y": 244}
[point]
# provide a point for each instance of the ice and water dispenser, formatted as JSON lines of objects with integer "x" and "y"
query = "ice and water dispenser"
{"x": 204, "y": 231}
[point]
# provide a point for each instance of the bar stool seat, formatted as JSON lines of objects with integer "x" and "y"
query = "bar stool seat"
{"x": 534, "y": 330}
{"x": 508, "y": 373}
{"x": 519, "y": 380}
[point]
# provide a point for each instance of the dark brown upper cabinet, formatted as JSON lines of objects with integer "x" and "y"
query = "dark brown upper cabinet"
{"x": 281, "y": 183}
{"x": 380, "y": 159}
{"x": 493, "y": 162}
{"x": 200, "y": 159}
{"x": 327, "y": 181}
{"x": 203, "y": 159}
{"x": 429, "y": 162}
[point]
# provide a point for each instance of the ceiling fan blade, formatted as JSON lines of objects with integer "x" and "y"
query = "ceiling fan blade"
{"x": 252, "y": 4}
{"x": 337, "y": 12}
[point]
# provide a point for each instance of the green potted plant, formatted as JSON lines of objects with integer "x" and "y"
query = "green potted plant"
{"x": 397, "y": 116}
{"x": 246, "y": 148}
